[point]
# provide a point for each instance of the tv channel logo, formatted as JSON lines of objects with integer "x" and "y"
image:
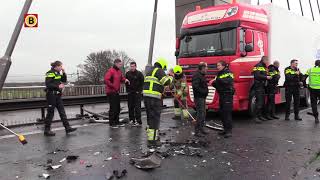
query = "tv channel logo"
{"x": 31, "y": 20}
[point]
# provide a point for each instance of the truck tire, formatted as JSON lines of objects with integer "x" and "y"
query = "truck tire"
{"x": 252, "y": 104}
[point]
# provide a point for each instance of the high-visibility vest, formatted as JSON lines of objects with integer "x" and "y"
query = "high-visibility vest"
{"x": 54, "y": 75}
{"x": 154, "y": 83}
{"x": 314, "y": 77}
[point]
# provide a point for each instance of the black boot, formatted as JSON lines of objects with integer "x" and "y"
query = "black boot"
{"x": 154, "y": 143}
{"x": 267, "y": 118}
{"x": 297, "y": 118}
{"x": 274, "y": 116}
{"x": 316, "y": 120}
{"x": 48, "y": 132}
{"x": 287, "y": 118}
{"x": 70, "y": 129}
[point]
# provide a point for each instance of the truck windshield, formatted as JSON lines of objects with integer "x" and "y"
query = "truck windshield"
{"x": 220, "y": 43}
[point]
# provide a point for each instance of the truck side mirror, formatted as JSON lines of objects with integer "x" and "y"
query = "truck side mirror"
{"x": 248, "y": 48}
{"x": 249, "y": 37}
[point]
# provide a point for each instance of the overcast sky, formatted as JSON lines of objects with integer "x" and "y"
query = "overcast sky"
{"x": 71, "y": 29}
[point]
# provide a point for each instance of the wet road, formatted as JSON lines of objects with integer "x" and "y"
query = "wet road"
{"x": 273, "y": 150}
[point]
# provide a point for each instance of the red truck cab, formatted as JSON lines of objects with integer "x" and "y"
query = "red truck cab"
{"x": 235, "y": 33}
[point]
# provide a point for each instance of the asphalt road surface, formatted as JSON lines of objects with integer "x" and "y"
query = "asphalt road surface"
{"x": 276, "y": 149}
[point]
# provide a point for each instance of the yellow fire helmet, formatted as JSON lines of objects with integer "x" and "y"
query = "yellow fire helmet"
{"x": 163, "y": 62}
{"x": 177, "y": 69}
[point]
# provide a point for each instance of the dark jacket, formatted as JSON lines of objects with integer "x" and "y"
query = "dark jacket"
{"x": 113, "y": 79}
{"x": 274, "y": 72}
{"x": 260, "y": 75}
{"x": 224, "y": 82}
{"x": 199, "y": 85}
{"x": 291, "y": 78}
{"x": 136, "y": 81}
{"x": 54, "y": 79}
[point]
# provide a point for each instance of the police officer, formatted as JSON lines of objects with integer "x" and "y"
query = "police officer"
{"x": 153, "y": 88}
{"x": 292, "y": 85}
{"x": 272, "y": 86}
{"x": 260, "y": 78}
{"x": 180, "y": 93}
{"x": 314, "y": 88}
{"x": 224, "y": 86}
{"x": 55, "y": 78}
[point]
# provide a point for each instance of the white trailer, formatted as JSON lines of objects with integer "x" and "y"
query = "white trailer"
{"x": 292, "y": 36}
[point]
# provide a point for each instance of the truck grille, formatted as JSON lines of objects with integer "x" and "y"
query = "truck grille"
{"x": 210, "y": 96}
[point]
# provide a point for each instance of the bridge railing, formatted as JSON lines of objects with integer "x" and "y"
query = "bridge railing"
{"x": 31, "y": 92}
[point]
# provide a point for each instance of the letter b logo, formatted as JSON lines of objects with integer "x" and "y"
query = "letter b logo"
{"x": 31, "y": 20}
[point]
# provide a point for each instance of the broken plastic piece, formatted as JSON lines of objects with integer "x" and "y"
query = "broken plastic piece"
{"x": 44, "y": 175}
{"x": 108, "y": 159}
{"x": 96, "y": 153}
{"x": 71, "y": 158}
{"x": 62, "y": 160}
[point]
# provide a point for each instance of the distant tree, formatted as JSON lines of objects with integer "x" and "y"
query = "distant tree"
{"x": 93, "y": 69}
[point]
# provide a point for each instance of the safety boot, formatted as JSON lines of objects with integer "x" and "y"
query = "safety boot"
{"x": 274, "y": 116}
{"x": 287, "y": 117}
{"x": 47, "y": 131}
{"x": 267, "y": 117}
{"x": 298, "y": 118}
{"x": 70, "y": 129}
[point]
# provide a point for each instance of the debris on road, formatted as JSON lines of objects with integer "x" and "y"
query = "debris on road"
{"x": 71, "y": 158}
{"x": 108, "y": 159}
{"x": 117, "y": 175}
{"x": 318, "y": 169}
{"x": 88, "y": 165}
{"x": 96, "y": 153}
{"x": 44, "y": 175}
{"x": 224, "y": 152}
{"x": 150, "y": 162}
{"x": 51, "y": 167}
{"x": 62, "y": 160}
{"x": 49, "y": 161}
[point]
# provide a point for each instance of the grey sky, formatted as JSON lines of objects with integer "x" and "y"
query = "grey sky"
{"x": 71, "y": 29}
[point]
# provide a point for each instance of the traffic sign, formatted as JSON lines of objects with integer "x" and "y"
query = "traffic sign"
{"x": 31, "y": 20}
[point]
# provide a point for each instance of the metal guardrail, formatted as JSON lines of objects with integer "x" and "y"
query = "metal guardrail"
{"x": 33, "y": 92}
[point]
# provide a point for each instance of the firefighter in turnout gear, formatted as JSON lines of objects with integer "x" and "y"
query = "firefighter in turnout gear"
{"x": 179, "y": 86}
{"x": 54, "y": 86}
{"x": 224, "y": 86}
{"x": 154, "y": 83}
{"x": 314, "y": 88}
{"x": 292, "y": 85}
{"x": 260, "y": 78}
{"x": 272, "y": 87}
